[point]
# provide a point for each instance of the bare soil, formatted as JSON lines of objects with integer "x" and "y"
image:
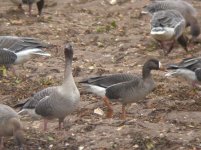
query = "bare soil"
{"x": 106, "y": 39}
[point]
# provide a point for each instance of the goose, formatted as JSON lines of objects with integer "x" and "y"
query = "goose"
{"x": 10, "y": 125}
{"x": 123, "y": 88}
{"x": 39, "y": 3}
{"x": 17, "y": 50}
{"x": 189, "y": 69}
{"x": 185, "y": 8}
{"x": 168, "y": 26}
{"x": 58, "y": 101}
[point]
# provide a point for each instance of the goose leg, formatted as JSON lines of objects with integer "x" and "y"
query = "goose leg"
{"x": 170, "y": 48}
{"x": 1, "y": 146}
{"x": 183, "y": 41}
{"x": 110, "y": 110}
{"x": 123, "y": 115}
{"x": 61, "y": 123}
{"x": 20, "y": 7}
{"x": 30, "y": 8}
{"x": 45, "y": 124}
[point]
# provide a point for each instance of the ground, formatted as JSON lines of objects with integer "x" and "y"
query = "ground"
{"x": 106, "y": 39}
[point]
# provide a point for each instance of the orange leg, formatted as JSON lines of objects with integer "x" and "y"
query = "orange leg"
{"x": 123, "y": 115}
{"x": 110, "y": 110}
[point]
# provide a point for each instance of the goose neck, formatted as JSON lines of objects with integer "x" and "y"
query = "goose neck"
{"x": 146, "y": 72}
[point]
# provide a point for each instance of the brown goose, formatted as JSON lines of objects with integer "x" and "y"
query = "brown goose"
{"x": 10, "y": 125}
{"x": 123, "y": 88}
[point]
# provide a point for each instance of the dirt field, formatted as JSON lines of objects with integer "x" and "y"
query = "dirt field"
{"x": 106, "y": 39}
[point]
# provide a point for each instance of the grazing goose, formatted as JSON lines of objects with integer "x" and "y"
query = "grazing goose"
{"x": 168, "y": 26}
{"x": 39, "y": 3}
{"x": 186, "y": 9}
{"x": 16, "y": 50}
{"x": 59, "y": 101}
{"x": 10, "y": 125}
{"x": 123, "y": 88}
{"x": 189, "y": 68}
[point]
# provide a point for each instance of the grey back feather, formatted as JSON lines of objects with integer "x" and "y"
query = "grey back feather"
{"x": 108, "y": 80}
{"x": 33, "y": 101}
{"x": 17, "y": 44}
{"x": 183, "y": 7}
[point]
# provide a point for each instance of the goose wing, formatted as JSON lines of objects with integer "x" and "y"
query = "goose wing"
{"x": 33, "y": 101}
{"x": 188, "y": 63}
{"x": 122, "y": 90}
{"x": 17, "y": 44}
{"x": 108, "y": 80}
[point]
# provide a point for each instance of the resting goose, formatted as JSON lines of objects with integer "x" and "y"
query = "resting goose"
{"x": 168, "y": 26}
{"x": 16, "y": 50}
{"x": 39, "y": 3}
{"x": 58, "y": 101}
{"x": 10, "y": 125}
{"x": 123, "y": 88}
{"x": 189, "y": 68}
{"x": 186, "y": 9}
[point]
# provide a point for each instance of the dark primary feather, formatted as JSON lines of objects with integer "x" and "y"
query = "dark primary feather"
{"x": 17, "y": 44}
{"x": 188, "y": 63}
{"x": 108, "y": 80}
{"x": 7, "y": 57}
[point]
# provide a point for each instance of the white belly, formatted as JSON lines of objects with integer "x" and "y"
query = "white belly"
{"x": 162, "y": 34}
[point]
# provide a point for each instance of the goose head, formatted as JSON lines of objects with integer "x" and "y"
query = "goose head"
{"x": 151, "y": 64}
{"x": 68, "y": 52}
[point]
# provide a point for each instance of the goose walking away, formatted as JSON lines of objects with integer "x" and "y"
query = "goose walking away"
{"x": 58, "y": 101}
{"x": 167, "y": 27}
{"x": 185, "y": 8}
{"x": 123, "y": 88}
{"x": 10, "y": 125}
{"x": 17, "y": 50}
{"x": 39, "y": 3}
{"x": 189, "y": 69}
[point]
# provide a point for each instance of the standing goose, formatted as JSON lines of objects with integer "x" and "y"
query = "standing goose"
{"x": 189, "y": 68}
{"x": 58, "y": 101}
{"x": 39, "y": 3}
{"x": 10, "y": 125}
{"x": 125, "y": 88}
{"x": 186, "y": 9}
{"x": 168, "y": 26}
{"x": 16, "y": 50}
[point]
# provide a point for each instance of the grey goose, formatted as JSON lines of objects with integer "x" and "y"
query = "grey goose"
{"x": 185, "y": 8}
{"x": 39, "y": 3}
{"x": 167, "y": 27}
{"x": 10, "y": 125}
{"x": 58, "y": 101}
{"x": 123, "y": 88}
{"x": 189, "y": 68}
{"x": 17, "y": 50}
